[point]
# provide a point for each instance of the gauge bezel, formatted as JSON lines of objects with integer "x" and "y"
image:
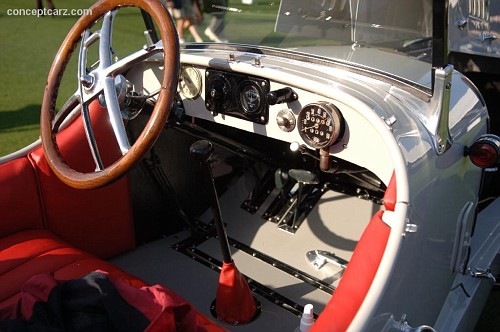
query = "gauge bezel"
{"x": 195, "y": 77}
{"x": 333, "y": 114}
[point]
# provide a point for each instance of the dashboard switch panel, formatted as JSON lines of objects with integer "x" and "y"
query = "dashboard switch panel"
{"x": 237, "y": 95}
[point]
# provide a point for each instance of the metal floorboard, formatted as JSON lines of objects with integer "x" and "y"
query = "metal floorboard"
{"x": 333, "y": 225}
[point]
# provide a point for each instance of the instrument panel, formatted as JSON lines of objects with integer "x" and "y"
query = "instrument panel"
{"x": 237, "y": 95}
{"x": 220, "y": 95}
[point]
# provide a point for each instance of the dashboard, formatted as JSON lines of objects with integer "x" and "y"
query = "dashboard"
{"x": 247, "y": 97}
{"x": 306, "y": 111}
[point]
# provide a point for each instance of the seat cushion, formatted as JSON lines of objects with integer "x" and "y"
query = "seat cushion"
{"x": 27, "y": 253}
{"x": 30, "y": 255}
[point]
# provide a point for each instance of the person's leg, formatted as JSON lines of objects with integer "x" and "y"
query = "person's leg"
{"x": 194, "y": 33}
{"x": 215, "y": 29}
{"x": 50, "y": 4}
{"x": 179, "y": 17}
{"x": 189, "y": 19}
{"x": 180, "y": 23}
{"x": 217, "y": 25}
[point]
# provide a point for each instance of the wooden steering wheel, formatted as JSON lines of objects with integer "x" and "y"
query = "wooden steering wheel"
{"x": 102, "y": 82}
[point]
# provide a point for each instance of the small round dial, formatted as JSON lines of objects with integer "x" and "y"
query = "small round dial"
{"x": 190, "y": 82}
{"x": 320, "y": 124}
{"x": 250, "y": 98}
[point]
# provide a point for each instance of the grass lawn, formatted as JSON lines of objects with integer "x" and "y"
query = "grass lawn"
{"x": 28, "y": 47}
{"x": 29, "y": 44}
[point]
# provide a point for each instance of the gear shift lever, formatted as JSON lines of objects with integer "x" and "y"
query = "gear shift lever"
{"x": 234, "y": 303}
{"x": 202, "y": 151}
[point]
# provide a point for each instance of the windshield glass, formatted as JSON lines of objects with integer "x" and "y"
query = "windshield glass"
{"x": 348, "y": 30}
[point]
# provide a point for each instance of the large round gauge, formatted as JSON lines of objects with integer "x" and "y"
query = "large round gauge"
{"x": 190, "y": 82}
{"x": 320, "y": 124}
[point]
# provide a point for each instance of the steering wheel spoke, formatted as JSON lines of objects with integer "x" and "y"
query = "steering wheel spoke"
{"x": 101, "y": 82}
{"x": 89, "y": 133}
{"x": 106, "y": 82}
{"x": 106, "y": 33}
{"x": 115, "y": 116}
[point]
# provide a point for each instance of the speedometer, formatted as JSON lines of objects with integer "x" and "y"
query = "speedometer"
{"x": 320, "y": 124}
{"x": 190, "y": 82}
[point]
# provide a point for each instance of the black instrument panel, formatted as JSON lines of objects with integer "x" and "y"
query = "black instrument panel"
{"x": 237, "y": 95}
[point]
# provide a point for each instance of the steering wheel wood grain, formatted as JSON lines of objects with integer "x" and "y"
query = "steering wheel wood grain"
{"x": 102, "y": 81}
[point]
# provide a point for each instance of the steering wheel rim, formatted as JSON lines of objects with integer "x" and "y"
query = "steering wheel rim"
{"x": 159, "y": 115}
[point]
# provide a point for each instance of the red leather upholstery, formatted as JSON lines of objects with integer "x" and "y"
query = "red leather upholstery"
{"x": 358, "y": 276}
{"x": 32, "y": 197}
{"x": 390, "y": 194}
{"x": 19, "y": 204}
{"x": 40, "y": 216}
{"x": 27, "y": 253}
{"x": 97, "y": 221}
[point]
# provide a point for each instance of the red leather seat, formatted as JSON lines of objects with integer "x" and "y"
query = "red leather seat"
{"x": 35, "y": 252}
{"x": 27, "y": 253}
{"x": 38, "y": 214}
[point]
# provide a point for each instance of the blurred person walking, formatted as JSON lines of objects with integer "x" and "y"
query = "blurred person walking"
{"x": 215, "y": 29}
{"x": 40, "y": 7}
{"x": 187, "y": 15}
{"x": 50, "y": 4}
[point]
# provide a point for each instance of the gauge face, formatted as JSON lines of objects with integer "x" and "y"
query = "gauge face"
{"x": 320, "y": 124}
{"x": 250, "y": 98}
{"x": 190, "y": 82}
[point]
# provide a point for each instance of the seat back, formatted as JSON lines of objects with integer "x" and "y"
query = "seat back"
{"x": 97, "y": 221}
{"x": 20, "y": 207}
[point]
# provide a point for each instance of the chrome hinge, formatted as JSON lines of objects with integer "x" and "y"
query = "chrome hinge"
{"x": 318, "y": 258}
{"x": 482, "y": 273}
{"x": 410, "y": 228}
{"x": 390, "y": 121}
